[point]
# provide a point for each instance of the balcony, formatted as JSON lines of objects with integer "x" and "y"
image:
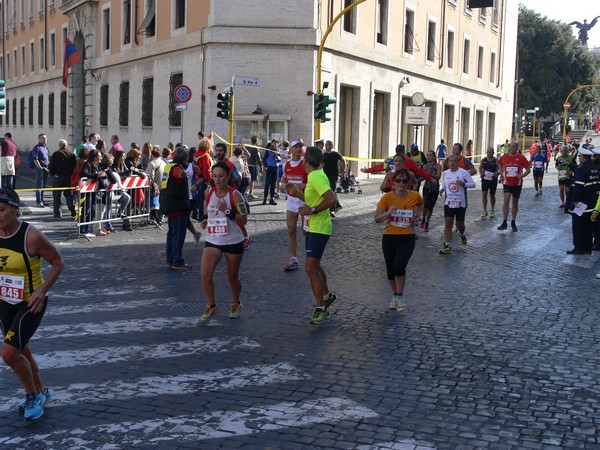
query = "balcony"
{"x": 69, "y": 5}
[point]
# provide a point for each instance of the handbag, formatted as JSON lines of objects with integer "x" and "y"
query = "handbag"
{"x": 17, "y": 160}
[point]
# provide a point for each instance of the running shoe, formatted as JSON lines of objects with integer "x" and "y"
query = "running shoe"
{"x": 330, "y": 300}
{"x": 47, "y": 398}
{"x": 513, "y": 225}
{"x": 248, "y": 242}
{"x": 394, "y": 303}
{"x": 492, "y": 214}
{"x": 293, "y": 265}
{"x": 209, "y": 313}
{"x": 537, "y": 194}
{"x": 197, "y": 236}
{"x": 235, "y": 310}
{"x": 463, "y": 239}
{"x": 101, "y": 233}
{"x": 34, "y": 408}
{"x": 181, "y": 267}
{"x": 541, "y": 193}
{"x": 400, "y": 303}
{"x": 503, "y": 226}
{"x": 446, "y": 250}
{"x": 426, "y": 227}
{"x": 484, "y": 214}
{"x": 319, "y": 316}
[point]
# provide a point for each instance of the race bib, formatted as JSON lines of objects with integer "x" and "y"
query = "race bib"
{"x": 218, "y": 226}
{"x": 512, "y": 171}
{"x": 562, "y": 173}
{"x": 402, "y": 218}
{"x": 454, "y": 203}
{"x": 12, "y": 288}
{"x": 538, "y": 165}
{"x": 305, "y": 223}
{"x": 487, "y": 175}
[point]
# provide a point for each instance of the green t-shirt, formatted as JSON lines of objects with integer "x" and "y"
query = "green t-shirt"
{"x": 316, "y": 187}
{"x": 505, "y": 148}
{"x": 564, "y": 167}
{"x": 78, "y": 149}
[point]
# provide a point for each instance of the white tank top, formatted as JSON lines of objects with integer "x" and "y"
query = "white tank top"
{"x": 221, "y": 230}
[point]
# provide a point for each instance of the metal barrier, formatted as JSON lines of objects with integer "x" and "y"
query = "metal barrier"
{"x": 126, "y": 200}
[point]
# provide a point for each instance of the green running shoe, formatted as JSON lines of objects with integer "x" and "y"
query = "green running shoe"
{"x": 330, "y": 300}
{"x": 320, "y": 316}
{"x": 446, "y": 250}
{"x": 209, "y": 313}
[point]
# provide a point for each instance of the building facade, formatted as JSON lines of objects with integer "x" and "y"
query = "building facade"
{"x": 377, "y": 56}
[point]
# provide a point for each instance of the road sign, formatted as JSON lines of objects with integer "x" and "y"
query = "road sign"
{"x": 246, "y": 81}
{"x": 567, "y": 105}
{"x": 182, "y": 93}
{"x": 417, "y": 115}
{"x": 180, "y": 106}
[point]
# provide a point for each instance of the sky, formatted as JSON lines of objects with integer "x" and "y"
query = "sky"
{"x": 568, "y": 12}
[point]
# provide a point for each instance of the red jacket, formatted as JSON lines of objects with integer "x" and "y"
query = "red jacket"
{"x": 409, "y": 164}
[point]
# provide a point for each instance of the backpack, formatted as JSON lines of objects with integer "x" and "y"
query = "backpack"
{"x": 30, "y": 162}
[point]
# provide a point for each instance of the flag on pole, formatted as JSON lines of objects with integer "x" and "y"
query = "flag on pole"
{"x": 72, "y": 57}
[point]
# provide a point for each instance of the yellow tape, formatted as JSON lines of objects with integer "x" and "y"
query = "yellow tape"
{"x": 48, "y": 189}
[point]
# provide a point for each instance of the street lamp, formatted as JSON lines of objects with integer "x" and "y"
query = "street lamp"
{"x": 518, "y": 83}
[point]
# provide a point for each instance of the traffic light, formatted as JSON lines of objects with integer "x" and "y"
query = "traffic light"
{"x": 322, "y": 103}
{"x": 2, "y": 97}
{"x": 224, "y": 104}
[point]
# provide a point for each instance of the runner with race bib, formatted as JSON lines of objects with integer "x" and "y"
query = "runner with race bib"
{"x": 511, "y": 168}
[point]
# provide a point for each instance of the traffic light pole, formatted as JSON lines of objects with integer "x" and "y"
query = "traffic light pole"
{"x": 231, "y": 117}
{"x": 566, "y": 101}
{"x": 320, "y": 56}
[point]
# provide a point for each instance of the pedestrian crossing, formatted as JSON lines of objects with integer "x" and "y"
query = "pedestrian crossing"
{"x": 153, "y": 381}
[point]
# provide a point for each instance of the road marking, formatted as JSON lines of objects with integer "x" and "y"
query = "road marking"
{"x": 108, "y": 306}
{"x": 103, "y": 292}
{"x": 106, "y": 355}
{"x": 144, "y": 387}
{"x": 402, "y": 444}
{"x": 198, "y": 427}
{"x": 116, "y": 327}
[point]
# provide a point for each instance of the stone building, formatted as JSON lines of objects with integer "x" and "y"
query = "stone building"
{"x": 377, "y": 56}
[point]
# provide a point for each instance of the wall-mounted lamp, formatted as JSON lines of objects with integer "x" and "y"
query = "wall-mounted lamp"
{"x": 403, "y": 81}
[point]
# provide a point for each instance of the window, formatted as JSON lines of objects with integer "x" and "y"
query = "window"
{"x": 382, "y": 21}
{"x": 174, "y": 116}
{"x": 349, "y": 18}
{"x": 14, "y": 111}
{"x": 104, "y": 105}
{"x": 16, "y": 71}
{"x": 40, "y": 110}
{"x": 409, "y": 24}
{"x": 52, "y": 49}
{"x": 63, "y": 108}
{"x": 8, "y": 65}
{"x": 147, "y": 101}
{"x": 450, "y": 52}
{"x": 495, "y": 16}
{"x": 468, "y": 11}
{"x": 1, "y": 64}
{"x": 482, "y": 15}
{"x": 466, "y": 56}
{"x": 42, "y": 53}
{"x": 480, "y": 62}
{"x": 431, "y": 50}
{"x": 106, "y": 29}
{"x": 493, "y": 67}
{"x": 148, "y": 26}
{"x": 23, "y": 61}
{"x": 179, "y": 14}
{"x": 31, "y": 57}
{"x": 30, "y": 111}
{"x": 51, "y": 109}
{"x": 7, "y": 113}
{"x": 31, "y": 10}
{"x": 23, "y": 13}
{"x": 126, "y": 22}
{"x": 124, "y": 104}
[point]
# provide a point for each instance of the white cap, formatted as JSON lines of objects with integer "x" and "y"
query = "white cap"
{"x": 296, "y": 142}
{"x": 585, "y": 151}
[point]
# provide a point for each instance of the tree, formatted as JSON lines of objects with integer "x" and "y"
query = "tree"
{"x": 553, "y": 62}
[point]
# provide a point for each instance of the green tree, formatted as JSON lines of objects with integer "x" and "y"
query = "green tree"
{"x": 552, "y": 63}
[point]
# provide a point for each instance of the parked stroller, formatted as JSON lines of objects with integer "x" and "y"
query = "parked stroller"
{"x": 349, "y": 184}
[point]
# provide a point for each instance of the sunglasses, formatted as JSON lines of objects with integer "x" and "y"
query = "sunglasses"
{"x": 401, "y": 180}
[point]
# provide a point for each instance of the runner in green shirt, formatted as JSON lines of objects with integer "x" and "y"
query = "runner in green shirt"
{"x": 316, "y": 222}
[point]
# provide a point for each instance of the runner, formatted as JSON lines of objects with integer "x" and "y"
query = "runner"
{"x": 318, "y": 198}
{"x": 463, "y": 163}
{"x": 24, "y": 297}
{"x": 430, "y": 188}
{"x": 455, "y": 183}
{"x": 225, "y": 212}
{"x": 387, "y": 185}
{"x": 540, "y": 164}
{"x": 565, "y": 166}
{"x": 293, "y": 173}
{"x": 511, "y": 168}
{"x": 397, "y": 209}
{"x": 488, "y": 170}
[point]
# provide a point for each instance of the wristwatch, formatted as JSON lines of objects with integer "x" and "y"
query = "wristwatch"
{"x": 313, "y": 210}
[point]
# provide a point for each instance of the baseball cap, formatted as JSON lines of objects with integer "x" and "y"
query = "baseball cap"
{"x": 9, "y": 197}
{"x": 585, "y": 151}
{"x": 414, "y": 146}
{"x": 296, "y": 142}
{"x": 320, "y": 141}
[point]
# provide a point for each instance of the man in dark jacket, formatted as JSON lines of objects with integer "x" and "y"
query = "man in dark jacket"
{"x": 62, "y": 163}
{"x": 585, "y": 196}
{"x": 175, "y": 204}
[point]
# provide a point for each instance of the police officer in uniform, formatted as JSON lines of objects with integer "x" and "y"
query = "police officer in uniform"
{"x": 23, "y": 297}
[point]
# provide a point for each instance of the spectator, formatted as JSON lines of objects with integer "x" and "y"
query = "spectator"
{"x": 62, "y": 164}
{"x": 41, "y": 161}
{"x": 146, "y": 155}
{"x": 155, "y": 170}
{"x": 116, "y": 145}
{"x": 9, "y": 155}
{"x": 81, "y": 146}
